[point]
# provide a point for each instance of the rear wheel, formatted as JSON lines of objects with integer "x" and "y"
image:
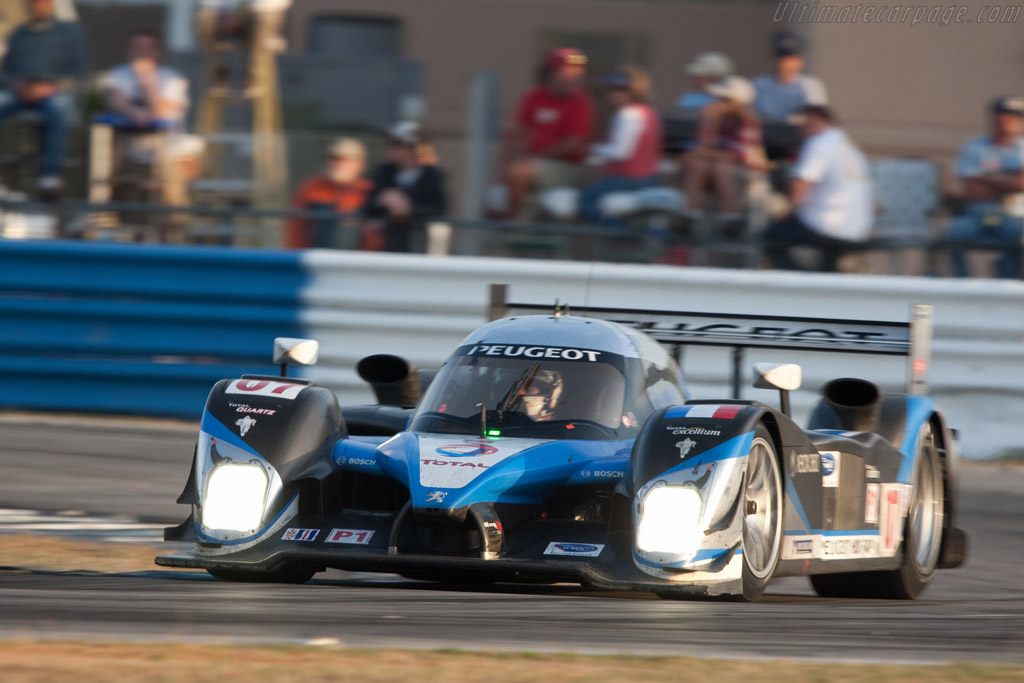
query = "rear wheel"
{"x": 287, "y": 574}
{"x": 762, "y": 515}
{"x": 922, "y": 539}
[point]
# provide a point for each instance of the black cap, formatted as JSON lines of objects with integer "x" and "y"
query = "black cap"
{"x": 1008, "y": 104}
{"x": 787, "y": 44}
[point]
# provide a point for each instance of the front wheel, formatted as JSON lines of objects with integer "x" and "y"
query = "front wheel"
{"x": 762, "y": 515}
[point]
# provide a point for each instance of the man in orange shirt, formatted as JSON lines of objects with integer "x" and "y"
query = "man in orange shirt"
{"x": 341, "y": 188}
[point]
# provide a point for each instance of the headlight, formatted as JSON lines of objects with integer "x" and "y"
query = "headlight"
{"x": 234, "y": 497}
{"x": 669, "y": 521}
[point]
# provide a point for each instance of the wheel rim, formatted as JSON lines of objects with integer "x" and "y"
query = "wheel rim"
{"x": 762, "y": 520}
{"x": 926, "y": 515}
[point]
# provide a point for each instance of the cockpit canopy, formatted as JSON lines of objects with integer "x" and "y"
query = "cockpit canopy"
{"x": 546, "y": 391}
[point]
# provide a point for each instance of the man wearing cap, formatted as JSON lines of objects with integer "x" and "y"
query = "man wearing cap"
{"x": 781, "y": 95}
{"x": 708, "y": 68}
{"x": 406, "y": 191}
{"x": 632, "y": 153}
{"x": 554, "y": 123}
{"x": 340, "y": 188}
{"x": 830, "y": 194}
{"x": 728, "y": 148}
{"x": 991, "y": 169}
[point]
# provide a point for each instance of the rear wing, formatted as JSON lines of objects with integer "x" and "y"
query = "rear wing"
{"x": 911, "y": 339}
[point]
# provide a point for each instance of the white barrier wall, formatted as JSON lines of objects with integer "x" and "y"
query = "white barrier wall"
{"x": 420, "y": 307}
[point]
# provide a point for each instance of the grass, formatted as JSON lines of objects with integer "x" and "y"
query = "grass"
{"x": 50, "y": 553}
{"x": 24, "y": 661}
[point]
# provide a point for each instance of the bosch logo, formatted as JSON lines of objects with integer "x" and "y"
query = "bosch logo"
{"x": 466, "y": 450}
{"x": 609, "y": 474}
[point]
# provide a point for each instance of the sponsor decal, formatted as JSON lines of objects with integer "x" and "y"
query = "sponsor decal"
{"x": 350, "y": 536}
{"x": 261, "y": 387}
{"x": 849, "y": 547}
{"x": 830, "y": 469}
{"x": 469, "y": 449}
{"x": 803, "y": 546}
{"x": 804, "y": 463}
{"x": 535, "y": 352}
{"x": 300, "y": 535}
{"x": 693, "y": 431}
{"x": 245, "y": 424}
{"x": 244, "y": 408}
{"x": 436, "y": 496}
{"x": 358, "y": 462}
{"x": 871, "y": 472}
{"x": 718, "y": 412}
{"x": 871, "y": 504}
{"x": 454, "y": 463}
{"x": 575, "y": 549}
{"x": 685, "y": 447}
{"x": 890, "y": 519}
{"x": 608, "y": 474}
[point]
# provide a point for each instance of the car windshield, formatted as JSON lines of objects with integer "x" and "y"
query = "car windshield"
{"x": 541, "y": 392}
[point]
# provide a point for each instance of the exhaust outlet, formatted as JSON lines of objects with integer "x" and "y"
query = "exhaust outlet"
{"x": 850, "y": 404}
{"x": 394, "y": 381}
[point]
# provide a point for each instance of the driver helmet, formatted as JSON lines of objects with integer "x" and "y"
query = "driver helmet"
{"x": 540, "y": 397}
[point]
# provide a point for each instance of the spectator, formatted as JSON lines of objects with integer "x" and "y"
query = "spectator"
{"x": 256, "y": 24}
{"x": 708, "y": 68}
{"x": 728, "y": 148}
{"x": 340, "y": 188}
{"x": 554, "y": 123}
{"x": 143, "y": 94}
{"x": 787, "y": 91}
{"x": 991, "y": 169}
{"x": 830, "y": 193}
{"x": 44, "y": 58}
{"x": 633, "y": 150}
{"x": 406, "y": 191}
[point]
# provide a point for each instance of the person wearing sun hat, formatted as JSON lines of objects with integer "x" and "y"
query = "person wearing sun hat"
{"x": 728, "y": 147}
{"x": 707, "y": 68}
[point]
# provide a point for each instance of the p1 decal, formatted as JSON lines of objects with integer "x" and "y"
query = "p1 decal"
{"x": 575, "y": 549}
{"x": 470, "y": 449}
{"x": 300, "y": 535}
{"x": 350, "y": 536}
{"x": 262, "y": 387}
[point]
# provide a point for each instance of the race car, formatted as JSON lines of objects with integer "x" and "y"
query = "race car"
{"x": 563, "y": 447}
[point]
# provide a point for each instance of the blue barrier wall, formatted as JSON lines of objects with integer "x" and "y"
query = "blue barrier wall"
{"x": 138, "y": 329}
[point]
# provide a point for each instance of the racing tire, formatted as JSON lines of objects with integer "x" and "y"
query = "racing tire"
{"x": 922, "y": 540}
{"x": 762, "y": 515}
{"x": 288, "y": 574}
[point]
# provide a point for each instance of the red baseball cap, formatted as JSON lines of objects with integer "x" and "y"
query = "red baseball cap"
{"x": 565, "y": 56}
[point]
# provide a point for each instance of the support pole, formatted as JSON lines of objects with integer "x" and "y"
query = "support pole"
{"x": 737, "y": 372}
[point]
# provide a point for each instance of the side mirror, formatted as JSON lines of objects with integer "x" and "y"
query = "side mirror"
{"x": 301, "y": 351}
{"x": 785, "y": 378}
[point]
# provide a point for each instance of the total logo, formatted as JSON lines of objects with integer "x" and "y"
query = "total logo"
{"x": 472, "y": 449}
{"x": 454, "y": 463}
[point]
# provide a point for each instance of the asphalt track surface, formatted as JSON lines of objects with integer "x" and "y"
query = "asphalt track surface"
{"x": 136, "y": 469}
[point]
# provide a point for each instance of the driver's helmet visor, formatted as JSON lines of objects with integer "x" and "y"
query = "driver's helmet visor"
{"x": 543, "y": 384}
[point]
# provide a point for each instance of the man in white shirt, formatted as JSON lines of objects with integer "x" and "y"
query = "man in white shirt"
{"x": 787, "y": 91}
{"x": 830, "y": 193}
{"x": 143, "y": 93}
